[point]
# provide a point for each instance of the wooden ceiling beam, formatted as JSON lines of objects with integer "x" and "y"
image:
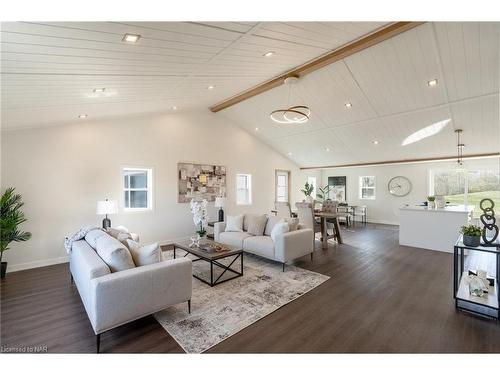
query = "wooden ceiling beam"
{"x": 406, "y": 161}
{"x": 340, "y": 53}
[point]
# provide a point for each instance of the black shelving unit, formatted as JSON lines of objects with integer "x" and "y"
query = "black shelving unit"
{"x": 488, "y": 305}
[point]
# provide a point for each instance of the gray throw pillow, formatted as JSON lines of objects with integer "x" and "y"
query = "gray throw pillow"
{"x": 144, "y": 255}
{"x": 293, "y": 223}
{"x": 256, "y": 225}
{"x": 114, "y": 253}
{"x": 271, "y": 222}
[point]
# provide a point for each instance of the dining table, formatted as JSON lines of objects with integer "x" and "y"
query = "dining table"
{"x": 334, "y": 218}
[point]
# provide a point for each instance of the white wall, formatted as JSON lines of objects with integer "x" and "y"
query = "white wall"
{"x": 385, "y": 208}
{"x": 63, "y": 171}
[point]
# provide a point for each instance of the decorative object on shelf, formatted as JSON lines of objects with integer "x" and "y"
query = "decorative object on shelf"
{"x": 338, "y": 188}
{"x": 323, "y": 194}
{"x": 200, "y": 181}
{"x": 483, "y": 275}
{"x": 476, "y": 285}
{"x": 10, "y": 220}
{"x": 471, "y": 235}
{"x": 399, "y": 186}
{"x": 200, "y": 216}
{"x": 488, "y": 220}
{"x": 307, "y": 191}
{"x": 106, "y": 207}
{"x": 298, "y": 114}
{"x": 440, "y": 201}
{"x": 431, "y": 202}
{"x": 219, "y": 203}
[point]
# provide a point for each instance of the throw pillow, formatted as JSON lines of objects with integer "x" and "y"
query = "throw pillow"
{"x": 257, "y": 225}
{"x": 114, "y": 253}
{"x": 271, "y": 222}
{"x": 234, "y": 223}
{"x": 247, "y": 218}
{"x": 280, "y": 228}
{"x": 293, "y": 223}
{"x": 92, "y": 236}
{"x": 144, "y": 255}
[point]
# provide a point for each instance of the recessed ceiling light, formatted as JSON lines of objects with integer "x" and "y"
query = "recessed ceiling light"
{"x": 269, "y": 54}
{"x": 289, "y": 154}
{"x": 174, "y": 108}
{"x": 82, "y": 116}
{"x": 327, "y": 149}
{"x": 348, "y": 105}
{"x": 131, "y": 38}
{"x": 375, "y": 142}
{"x": 102, "y": 89}
{"x": 432, "y": 82}
{"x": 211, "y": 87}
{"x": 256, "y": 129}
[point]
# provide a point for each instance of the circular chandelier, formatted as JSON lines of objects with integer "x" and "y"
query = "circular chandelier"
{"x": 298, "y": 114}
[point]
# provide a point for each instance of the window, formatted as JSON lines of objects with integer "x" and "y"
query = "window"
{"x": 467, "y": 187}
{"x": 137, "y": 189}
{"x": 367, "y": 187}
{"x": 243, "y": 189}
{"x": 312, "y": 180}
{"x": 282, "y": 178}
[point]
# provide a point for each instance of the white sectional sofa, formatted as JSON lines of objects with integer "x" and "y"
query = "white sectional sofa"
{"x": 115, "y": 298}
{"x": 286, "y": 247}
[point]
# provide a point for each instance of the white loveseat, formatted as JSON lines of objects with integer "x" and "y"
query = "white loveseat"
{"x": 112, "y": 299}
{"x": 287, "y": 246}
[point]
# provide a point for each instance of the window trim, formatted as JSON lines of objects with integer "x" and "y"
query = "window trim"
{"x": 249, "y": 188}
{"x": 278, "y": 172}
{"x": 149, "y": 189}
{"x": 361, "y": 187}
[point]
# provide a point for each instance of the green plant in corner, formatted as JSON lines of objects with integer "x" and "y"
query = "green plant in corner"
{"x": 308, "y": 189}
{"x": 10, "y": 220}
{"x": 471, "y": 230}
{"x": 323, "y": 193}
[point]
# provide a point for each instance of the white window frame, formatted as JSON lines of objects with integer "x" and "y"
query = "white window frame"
{"x": 361, "y": 187}
{"x": 286, "y": 174}
{"x": 149, "y": 189}
{"x": 248, "y": 189}
{"x": 312, "y": 180}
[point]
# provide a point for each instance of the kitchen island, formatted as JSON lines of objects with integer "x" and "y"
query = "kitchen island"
{"x": 433, "y": 229}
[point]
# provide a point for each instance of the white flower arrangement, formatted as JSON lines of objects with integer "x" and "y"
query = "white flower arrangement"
{"x": 200, "y": 215}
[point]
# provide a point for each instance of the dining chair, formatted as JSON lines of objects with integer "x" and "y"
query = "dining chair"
{"x": 348, "y": 211}
{"x": 305, "y": 213}
{"x": 283, "y": 209}
{"x": 360, "y": 211}
{"x": 330, "y": 207}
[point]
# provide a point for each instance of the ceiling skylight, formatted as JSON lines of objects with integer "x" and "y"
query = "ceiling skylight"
{"x": 426, "y": 132}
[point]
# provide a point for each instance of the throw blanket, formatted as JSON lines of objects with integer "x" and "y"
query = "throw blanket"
{"x": 68, "y": 242}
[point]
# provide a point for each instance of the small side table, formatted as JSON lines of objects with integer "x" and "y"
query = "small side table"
{"x": 211, "y": 224}
{"x": 488, "y": 305}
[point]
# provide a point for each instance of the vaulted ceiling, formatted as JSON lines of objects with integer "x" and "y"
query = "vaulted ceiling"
{"x": 50, "y": 69}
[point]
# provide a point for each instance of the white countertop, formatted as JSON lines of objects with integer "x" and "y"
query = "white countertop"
{"x": 457, "y": 208}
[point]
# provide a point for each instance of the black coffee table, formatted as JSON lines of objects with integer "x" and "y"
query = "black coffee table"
{"x": 213, "y": 258}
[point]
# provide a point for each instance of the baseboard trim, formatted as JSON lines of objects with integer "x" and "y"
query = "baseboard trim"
{"x": 65, "y": 259}
{"x": 37, "y": 264}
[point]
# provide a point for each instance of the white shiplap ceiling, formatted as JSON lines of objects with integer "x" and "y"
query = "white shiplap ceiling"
{"x": 49, "y": 69}
{"x": 387, "y": 86}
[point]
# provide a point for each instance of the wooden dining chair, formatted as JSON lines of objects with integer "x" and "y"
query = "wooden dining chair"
{"x": 305, "y": 213}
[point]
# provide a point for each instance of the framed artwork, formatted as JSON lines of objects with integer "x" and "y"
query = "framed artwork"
{"x": 338, "y": 189}
{"x": 200, "y": 181}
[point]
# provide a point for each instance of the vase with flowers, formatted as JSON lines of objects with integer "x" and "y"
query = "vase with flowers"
{"x": 200, "y": 217}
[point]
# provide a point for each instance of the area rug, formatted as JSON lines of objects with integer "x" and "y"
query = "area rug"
{"x": 221, "y": 311}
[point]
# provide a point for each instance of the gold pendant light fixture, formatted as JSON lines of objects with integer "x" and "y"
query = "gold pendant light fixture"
{"x": 298, "y": 114}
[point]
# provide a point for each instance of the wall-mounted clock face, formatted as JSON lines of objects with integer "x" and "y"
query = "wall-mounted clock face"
{"x": 399, "y": 186}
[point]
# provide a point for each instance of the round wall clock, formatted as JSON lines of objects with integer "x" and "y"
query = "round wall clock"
{"x": 399, "y": 186}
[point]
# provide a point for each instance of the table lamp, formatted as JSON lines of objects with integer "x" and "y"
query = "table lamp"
{"x": 219, "y": 203}
{"x": 106, "y": 207}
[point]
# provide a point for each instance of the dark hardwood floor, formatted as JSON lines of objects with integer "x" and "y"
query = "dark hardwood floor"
{"x": 381, "y": 298}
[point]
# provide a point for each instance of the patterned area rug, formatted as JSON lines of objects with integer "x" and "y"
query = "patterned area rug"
{"x": 221, "y": 311}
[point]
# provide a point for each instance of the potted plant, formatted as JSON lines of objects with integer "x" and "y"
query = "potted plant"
{"x": 10, "y": 220}
{"x": 472, "y": 235}
{"x": 431, "y": 201}
{"x": 200, "y": 216}
{"x": 307, "y": 190}
{"x": 323, "y": 193}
